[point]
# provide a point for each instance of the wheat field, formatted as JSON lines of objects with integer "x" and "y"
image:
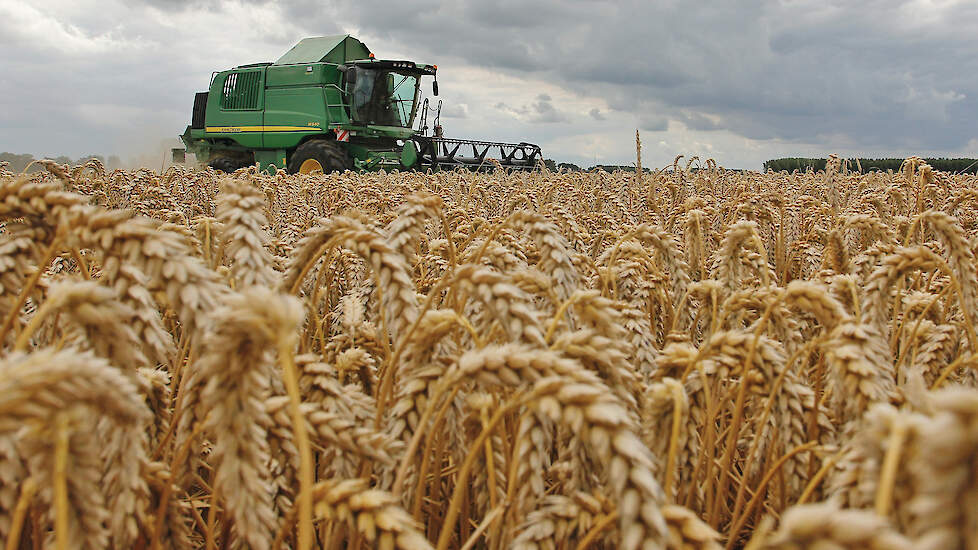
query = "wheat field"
{"x": 692, "y": 358}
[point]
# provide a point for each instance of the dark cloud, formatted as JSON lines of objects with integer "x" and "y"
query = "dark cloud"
{"x": 540, "y": 111}
{"x": 877, "y": 75}
{"x": 890, "y": 74}
{"x": 697, "y": 121}
{"x": 545, "y": 112}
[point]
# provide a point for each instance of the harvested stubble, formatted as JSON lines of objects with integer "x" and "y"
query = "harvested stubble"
{"x": 687, "y": 359}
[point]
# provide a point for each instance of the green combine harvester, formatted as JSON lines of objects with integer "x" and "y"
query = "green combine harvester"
{"x": 329, "y": 105}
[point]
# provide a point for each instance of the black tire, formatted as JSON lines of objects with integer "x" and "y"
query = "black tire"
{"x": 223, "y": 164}
{"x": 329, "y": 154}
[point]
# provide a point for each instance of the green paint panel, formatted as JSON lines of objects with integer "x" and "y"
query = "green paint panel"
{"x": 267, "y": 158}
{"x": 300, "y": 75}
{"x": 230, "y": 103}
{"x": 351, "y": 50}
{"x": 299, "y": 107}
{"x": 409, "y": 155}
{"x": 331, "y": 49}
{"x": 357, "y": 152}
{"x": 378, "y": 160}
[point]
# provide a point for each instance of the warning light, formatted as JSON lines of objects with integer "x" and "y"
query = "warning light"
{"x": 370, "y": 55}
{"x": 435, "y": 67}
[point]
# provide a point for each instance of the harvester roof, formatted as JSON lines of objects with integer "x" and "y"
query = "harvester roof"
{"x": 337, "y": 49}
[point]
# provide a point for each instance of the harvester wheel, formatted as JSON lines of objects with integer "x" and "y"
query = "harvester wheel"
{"x": 319, "y": 154}
{"x": 223, "y": 164}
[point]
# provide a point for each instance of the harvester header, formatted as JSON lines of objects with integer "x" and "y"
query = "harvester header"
{"x": 328, "y": 104}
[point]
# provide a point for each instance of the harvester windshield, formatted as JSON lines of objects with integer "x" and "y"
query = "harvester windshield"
{"x": 382, "y": 97}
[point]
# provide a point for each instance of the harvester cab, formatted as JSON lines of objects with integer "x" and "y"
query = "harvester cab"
{"x": 329, "y": 105}
{"x": 383, "y": 93}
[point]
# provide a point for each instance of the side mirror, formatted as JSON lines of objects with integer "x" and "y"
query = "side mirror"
{"x": 434, "y": 87}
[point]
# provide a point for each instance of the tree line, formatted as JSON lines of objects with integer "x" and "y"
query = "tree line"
{"x": 571, "y": 167}
{"x": 790, "y": 164}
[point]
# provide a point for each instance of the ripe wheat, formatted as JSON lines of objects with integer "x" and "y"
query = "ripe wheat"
{"x": 687, "y": 358}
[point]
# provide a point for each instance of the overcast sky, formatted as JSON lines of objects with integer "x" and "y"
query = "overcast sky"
{"x": 740, "y": 82}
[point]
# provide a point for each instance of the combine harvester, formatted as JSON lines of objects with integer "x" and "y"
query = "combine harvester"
{"x": 328, "y": 105}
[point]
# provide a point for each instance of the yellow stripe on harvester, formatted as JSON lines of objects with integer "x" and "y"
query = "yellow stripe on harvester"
{"x": 241, "y": 129}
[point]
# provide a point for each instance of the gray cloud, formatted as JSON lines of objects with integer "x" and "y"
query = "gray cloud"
{"x": 653, "y": 123}
{"x": 877, "y": 76}
{"x": 540, "y": 111}
{"x": 456, "y": 110}
{"x": 545, "y": 112}
{"x": 885, "y": 74}
{"x": 697, "y": 121}
{"x": 117, "y": 78}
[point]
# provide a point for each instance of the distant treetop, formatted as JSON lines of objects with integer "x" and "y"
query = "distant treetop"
{"x": 790, "y": 164}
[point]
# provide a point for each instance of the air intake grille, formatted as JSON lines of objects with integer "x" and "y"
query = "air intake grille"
{"x": 241, "y": 91}
{"x": 200, "y": 110}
